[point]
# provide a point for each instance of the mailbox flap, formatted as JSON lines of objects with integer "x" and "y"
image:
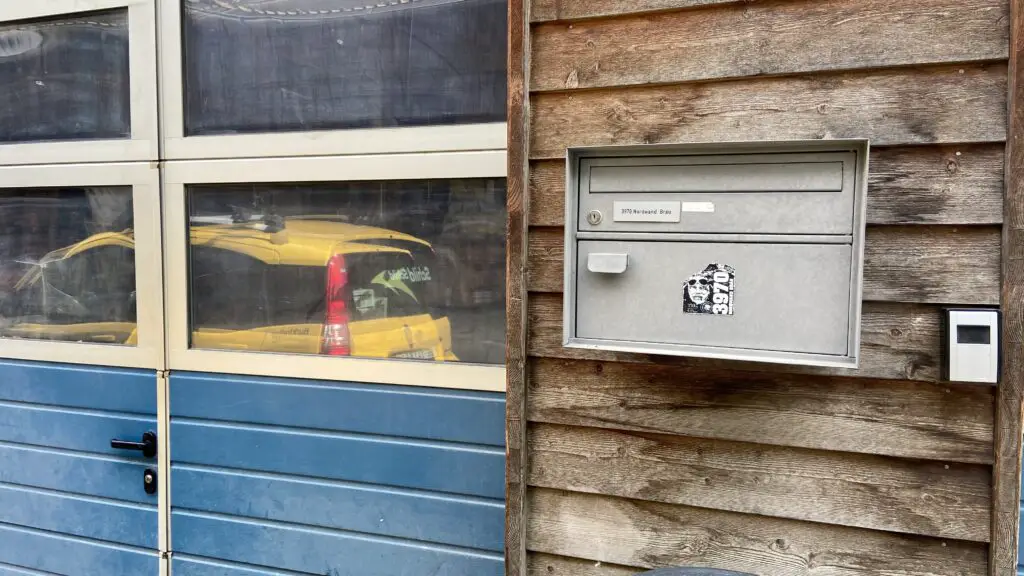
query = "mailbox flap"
{"x": 788, "y": 298}
{"x": 761, "y": 193}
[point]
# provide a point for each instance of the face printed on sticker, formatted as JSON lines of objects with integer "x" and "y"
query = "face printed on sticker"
{"x": 698, "y": 288}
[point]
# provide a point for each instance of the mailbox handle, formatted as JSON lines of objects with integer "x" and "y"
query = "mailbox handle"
{"x": 607, "y": 263}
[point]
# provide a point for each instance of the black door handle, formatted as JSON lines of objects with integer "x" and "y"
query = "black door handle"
{"x": 147, "y": 446}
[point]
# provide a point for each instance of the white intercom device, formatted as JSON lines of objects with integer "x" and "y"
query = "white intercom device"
{"x": 972, "y": 345}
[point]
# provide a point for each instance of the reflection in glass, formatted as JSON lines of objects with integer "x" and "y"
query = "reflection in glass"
{"x": 67, "y": 265}
{"x": 288, "y": 65}
{"x": 408, "y": 269}
{"x": 65, "y": 79}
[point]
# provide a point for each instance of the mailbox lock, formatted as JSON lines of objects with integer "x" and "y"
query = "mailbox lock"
{"x": 594, "y": 217}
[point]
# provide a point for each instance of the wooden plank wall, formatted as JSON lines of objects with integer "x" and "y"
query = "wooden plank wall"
{"x": 634, "y": 461}
{"x": 1007, "y": 474}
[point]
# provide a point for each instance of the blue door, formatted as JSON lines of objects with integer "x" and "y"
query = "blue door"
{"x": 79, "y": 475}
{"x": 275, "y": 476}
{"x": 70, "y": 503}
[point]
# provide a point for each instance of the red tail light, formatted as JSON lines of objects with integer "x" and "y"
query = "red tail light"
{"x": 336, "y": 340}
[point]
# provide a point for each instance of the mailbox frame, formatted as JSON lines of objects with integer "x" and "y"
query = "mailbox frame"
{"x": 574, "y": 158}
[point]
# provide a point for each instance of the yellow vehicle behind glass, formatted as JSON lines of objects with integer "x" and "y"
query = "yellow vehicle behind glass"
{"x": 300, "y": 285}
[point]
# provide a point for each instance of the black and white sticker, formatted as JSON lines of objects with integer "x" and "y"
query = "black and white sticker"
{"x": 710, "y": 291}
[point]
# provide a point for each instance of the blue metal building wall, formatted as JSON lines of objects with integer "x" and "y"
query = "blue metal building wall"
{"x": 69, "y": 504}
{"x": 284, "y": 477}
{"x": 1020, "y": 537}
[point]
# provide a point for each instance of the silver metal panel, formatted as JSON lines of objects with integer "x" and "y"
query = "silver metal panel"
{"x": 764, "y": 193}
{"x": 729, "y": 176}
{"x": 825, "y": 254}
{"x": 785, "y": 297}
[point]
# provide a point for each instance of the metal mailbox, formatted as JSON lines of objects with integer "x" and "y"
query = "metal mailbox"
{"x": 743, "y": 251}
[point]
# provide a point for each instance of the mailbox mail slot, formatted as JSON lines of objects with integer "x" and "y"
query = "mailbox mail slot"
{"x": 748, "y": 251}
{"x": 762, "y": 193}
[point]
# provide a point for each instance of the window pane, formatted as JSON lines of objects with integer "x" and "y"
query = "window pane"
{"x": 409, "y": 269}
{"x": 67, "y": 265}
{"x": 65, "y": 79}
{"x": 285, "y": 65}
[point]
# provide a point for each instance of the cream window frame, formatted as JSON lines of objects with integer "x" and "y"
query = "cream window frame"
{"x": 178, "y": 146}
{"x": 142, "y": 77}
{"x": 178, "y": 175}
{"x": 144, "y": 179}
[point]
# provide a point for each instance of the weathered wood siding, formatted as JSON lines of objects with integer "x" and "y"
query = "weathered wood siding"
{"x": 633, "y": 461}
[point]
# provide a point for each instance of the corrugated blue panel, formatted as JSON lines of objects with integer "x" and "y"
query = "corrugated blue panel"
{"x": 89, "y": 475}
{"x": 69, "y": 503}
{"x": 71, "y": 556}
{"x": 114, "y": 389}
{"x": 317, "y": 551}
{"x": 7, "y": 570}
{"x": 1020, "y": 541}
{"x": 69, "y": 429}
{"x": 461, "y": 521}
{"x": 286, "y": 477}
{"x": 428, "y": 465}
{"x": 457, "y": 416}
{"x": 183, "y": 565}
{"x": 105, "y": 477}
{"x": 107, "y": 520}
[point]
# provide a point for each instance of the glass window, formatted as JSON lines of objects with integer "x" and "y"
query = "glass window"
{"x": 405, "y": 269}
{"x": 290, "y": 65}
{"x": 67, "y": 265}
{"x": 65, "y": 79}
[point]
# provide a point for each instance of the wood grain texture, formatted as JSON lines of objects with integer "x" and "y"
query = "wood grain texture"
{"x": 546, "y": 10}
{"x": 1010, "y": 395}
{"x": 765, "y": 38}
{"x": 516, "y": 295}
{"x": 548, "y": 565}
{"x": 898, "y": 342}
{"x": 932, "y": 264}
{"x": 895, "y": 495}
{"x": 931, "y": 105}
{"x": 907, "y": 185}
{"x": 889, "y": 418}
{"x": 901, "y": 263}
{"x": 647, "y": 534}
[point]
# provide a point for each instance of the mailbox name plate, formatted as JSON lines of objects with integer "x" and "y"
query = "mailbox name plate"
{"x": 646, "y": 212}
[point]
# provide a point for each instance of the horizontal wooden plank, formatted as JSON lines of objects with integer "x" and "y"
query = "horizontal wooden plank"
{"x": 539, "y": 564}
{"x": 60, "y": 554}
{"x": 648, "y": 534}
{"x": 931, "y": 105}
{"x": 765, "y": 38}
{"x": 309, "y": 551}
{"x": 940, "y": 265}
{"x": 889, "y": 418}
{"x": 547, "y": 10}
{"x": 881, "y": 493}
{"x": 100, "y": 520}
{"x": 392, "y": 461}
{"x": 453, "y": 415}
{"x": 960, "y": 184}
{"x": 898, "y": 342}
{"x": 901, "y": 263}
{"x": 382, "y": 510}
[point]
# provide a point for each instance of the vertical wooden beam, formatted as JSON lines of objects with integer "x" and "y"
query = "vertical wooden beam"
{"x": 515, "y": 298}
{"x": 1007, "y": 473}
